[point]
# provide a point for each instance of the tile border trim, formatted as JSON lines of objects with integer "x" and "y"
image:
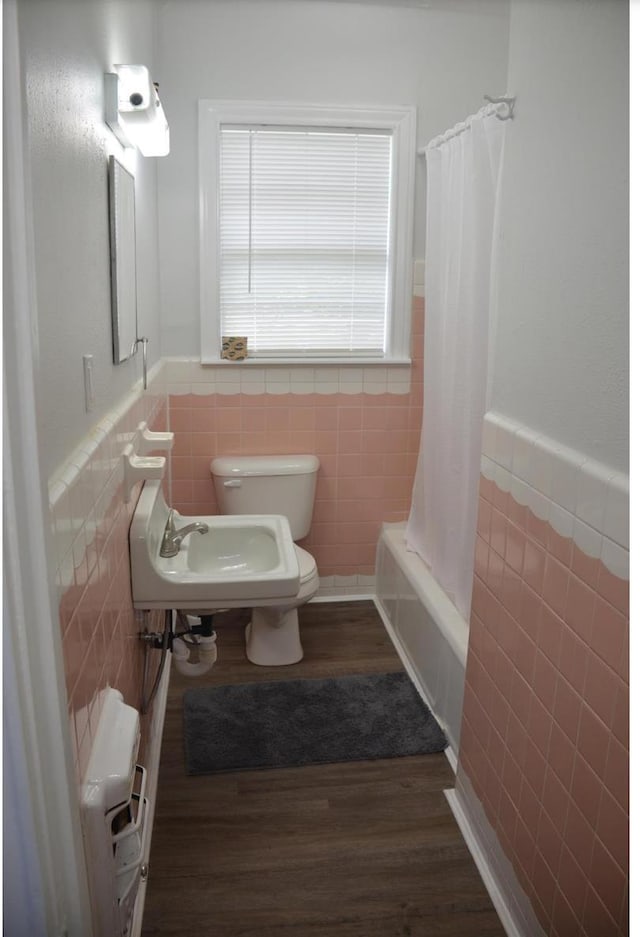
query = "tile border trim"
{"x": 189, "y": 376}
{"x": 69, "y": 471}
{"x": 582, "y": 499}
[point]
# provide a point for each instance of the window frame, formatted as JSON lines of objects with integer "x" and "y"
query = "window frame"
{"x": 401, "y": 123}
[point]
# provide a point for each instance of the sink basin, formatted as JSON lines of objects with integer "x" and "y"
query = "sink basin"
{"x": 241, "y": 561}
{"x": 243, "y": 550}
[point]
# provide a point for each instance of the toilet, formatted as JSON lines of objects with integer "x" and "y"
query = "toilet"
{"x": 273, "y": 485}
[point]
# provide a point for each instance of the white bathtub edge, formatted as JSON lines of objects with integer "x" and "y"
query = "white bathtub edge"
{"x": 435, "y": 599}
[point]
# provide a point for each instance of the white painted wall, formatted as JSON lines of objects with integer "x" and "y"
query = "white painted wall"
{"x": 66, "y": 47}
{"x": 442, "y": 60}
{"x": 561, "y": 351}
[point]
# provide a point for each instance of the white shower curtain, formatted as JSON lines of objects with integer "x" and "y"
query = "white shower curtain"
{"x": 463, "y": 170}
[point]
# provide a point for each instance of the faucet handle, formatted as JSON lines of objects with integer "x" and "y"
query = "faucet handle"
{"x": 171, "y": 522}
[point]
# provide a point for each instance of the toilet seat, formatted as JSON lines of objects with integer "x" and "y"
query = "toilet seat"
{"x": 307, "y": 565}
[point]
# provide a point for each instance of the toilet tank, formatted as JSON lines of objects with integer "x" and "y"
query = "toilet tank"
{"x": 268, "y": 485}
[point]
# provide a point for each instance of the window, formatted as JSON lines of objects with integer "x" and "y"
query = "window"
{"x": 306, "y": 224}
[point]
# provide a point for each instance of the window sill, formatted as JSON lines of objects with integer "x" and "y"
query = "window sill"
{"x": 306, "y": 362}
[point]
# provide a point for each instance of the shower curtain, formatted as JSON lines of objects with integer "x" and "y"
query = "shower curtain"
{"x": 463, "y": 171}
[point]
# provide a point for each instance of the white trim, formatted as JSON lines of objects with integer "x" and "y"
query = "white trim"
{"x": 321, "y": 598}
{"x": 581, "y": 498}
{"x": 25, "y": 899}
{"x": 189, "y": 376}
{"x": 203, "y": 370}
{"x": 293, "y": 362}
{"x": 452, "y": 758}
{"x": 153, "y": 769}
{"x": 48, "y": 802}
{"x": 75, "y": 463}
{"x": 510, "y": 901}
{"x": 482, "y": 864}
{"x": 418, "y": 278}
{"x": 400, "y": 120}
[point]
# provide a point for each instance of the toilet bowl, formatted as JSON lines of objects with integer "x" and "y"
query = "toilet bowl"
{"x": 273, "y": 485}
{"x": 272, "y": 637}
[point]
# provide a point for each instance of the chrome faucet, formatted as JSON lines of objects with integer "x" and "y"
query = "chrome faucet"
{"x": 173, "y": 538}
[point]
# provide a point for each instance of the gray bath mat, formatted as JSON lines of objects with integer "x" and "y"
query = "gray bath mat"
{"x": 300, "y": 722}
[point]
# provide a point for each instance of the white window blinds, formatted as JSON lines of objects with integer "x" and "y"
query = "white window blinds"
{"x": 304, "y": 236}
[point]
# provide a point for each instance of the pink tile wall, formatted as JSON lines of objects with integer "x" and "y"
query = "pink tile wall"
{"x": 545, "y": 733}
{"x": 367, "y": 445}
{"x": 97, "y": 620}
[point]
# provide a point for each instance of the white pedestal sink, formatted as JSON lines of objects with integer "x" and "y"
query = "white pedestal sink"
{"x": 240, "y": 561}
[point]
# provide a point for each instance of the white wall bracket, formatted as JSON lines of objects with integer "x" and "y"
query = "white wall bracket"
{"x": 151, "y": 442}
{"x": 140, "y": 468}
{"x": 138, "y": 465}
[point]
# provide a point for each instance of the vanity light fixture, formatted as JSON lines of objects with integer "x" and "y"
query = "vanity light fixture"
{"x": 133, "y": 110}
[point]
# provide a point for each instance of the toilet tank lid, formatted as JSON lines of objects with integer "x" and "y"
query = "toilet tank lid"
{"x": 265, "y": 465}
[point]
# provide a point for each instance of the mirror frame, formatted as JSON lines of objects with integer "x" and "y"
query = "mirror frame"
{"x": 122, "y": 239}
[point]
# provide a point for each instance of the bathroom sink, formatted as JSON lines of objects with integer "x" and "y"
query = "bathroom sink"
{"x": 245, "y": 549}
{"x": 241, "y": 560}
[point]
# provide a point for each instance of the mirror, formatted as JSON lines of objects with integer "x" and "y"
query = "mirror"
{"x": 122, "y": 226}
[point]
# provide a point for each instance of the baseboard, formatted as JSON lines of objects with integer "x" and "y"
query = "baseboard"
{"x": 511, "y": 903}
{"x": 363, "y": 597}
{"x": 452, "y": 758}
{"x": 153, "y": 770}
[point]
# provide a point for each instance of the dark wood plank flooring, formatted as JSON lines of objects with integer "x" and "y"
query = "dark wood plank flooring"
{"x": 365, "y": 849}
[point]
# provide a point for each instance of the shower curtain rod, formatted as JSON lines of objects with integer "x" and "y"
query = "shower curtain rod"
{"x": 459, "y": 128}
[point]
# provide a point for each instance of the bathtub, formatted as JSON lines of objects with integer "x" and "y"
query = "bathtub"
{"x": 429, "y": 633}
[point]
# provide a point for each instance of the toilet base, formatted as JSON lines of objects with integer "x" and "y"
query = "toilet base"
{"x": 272, "y": 637}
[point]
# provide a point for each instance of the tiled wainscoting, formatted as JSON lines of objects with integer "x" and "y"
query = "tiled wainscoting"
{"x": 545, "y": 733}
{"x": 90, "y": 524}
{"x": 362, "y": 423}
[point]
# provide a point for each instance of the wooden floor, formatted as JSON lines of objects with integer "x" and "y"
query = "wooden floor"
{"x": 365, "y": 849}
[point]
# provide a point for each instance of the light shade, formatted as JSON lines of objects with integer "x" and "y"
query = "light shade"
{"x": 134, "y": 112}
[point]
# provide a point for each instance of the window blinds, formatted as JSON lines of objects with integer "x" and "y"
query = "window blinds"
{"x": 304, "y": 240}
